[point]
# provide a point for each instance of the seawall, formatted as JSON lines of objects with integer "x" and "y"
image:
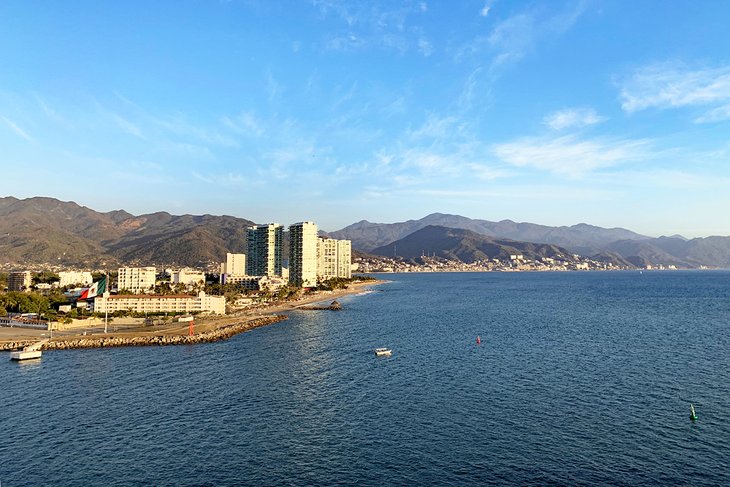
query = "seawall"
{"x": 218, "y": 334}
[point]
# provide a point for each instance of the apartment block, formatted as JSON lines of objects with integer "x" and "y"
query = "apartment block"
{"x": 19, "y": 280}
{"x": 334, "y": 258}
{"x": 264, "y": 245}
{"x": 235, "y": 265}
{"x": 303, "y": 254}
{"x": 136, "y": 279}
{"x": 70, "y": 278}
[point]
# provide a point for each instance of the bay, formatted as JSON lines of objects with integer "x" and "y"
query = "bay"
{"x": 580, "y": 379}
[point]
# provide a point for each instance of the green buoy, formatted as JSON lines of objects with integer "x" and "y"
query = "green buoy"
{"x": 692, "y": 414}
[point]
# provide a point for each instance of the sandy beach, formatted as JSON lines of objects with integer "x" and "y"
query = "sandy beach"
{"x": 216, "y": 327}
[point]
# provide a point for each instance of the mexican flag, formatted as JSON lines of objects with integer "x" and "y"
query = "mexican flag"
{"x": 99, "y": 287}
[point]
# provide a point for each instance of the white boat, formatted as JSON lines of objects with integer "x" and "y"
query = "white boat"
{"x": 383, "y": 351}
{"x": 29, "y": 352}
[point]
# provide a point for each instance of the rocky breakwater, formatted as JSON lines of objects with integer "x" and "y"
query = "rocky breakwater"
{"x": 17, "y": 345}
{"x": 334, "y": 306}
{"x": 222, "y": 333}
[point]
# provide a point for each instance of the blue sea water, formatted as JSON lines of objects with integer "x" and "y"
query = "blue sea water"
{"x": 580, "y": 379}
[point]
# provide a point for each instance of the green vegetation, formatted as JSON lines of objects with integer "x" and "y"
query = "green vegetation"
{"x": 340, "y": 282}
{"x": 45, "y": 277}
{"x": 363, "y": 278}
{"x": 19, "y": 302}
{"x": 31, "y": 302}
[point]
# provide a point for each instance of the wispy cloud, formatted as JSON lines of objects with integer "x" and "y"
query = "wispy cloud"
{"x": 127, "y": 126}
{"x": 272, "y": 86}
{"x": 245, "y": 123}
{"x": 672, "y": 85}
{"x": 572, "y": 118}
{"x": 425, "y": 47}
{"x": 18, "y": 131}
{"x": 715, "y": 115}
{"x": 367, "y": 25}
{"x": 50, "y": 112}
{"x": 516, "y": 36}
{"x": 486, "y": 9}
{"x": 437, "y": 128}
{"x": 570, "y": 156}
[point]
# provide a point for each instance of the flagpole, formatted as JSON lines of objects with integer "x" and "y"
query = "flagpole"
{"x": 106, "y": 302}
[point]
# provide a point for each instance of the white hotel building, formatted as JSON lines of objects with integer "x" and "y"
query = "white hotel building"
{"x": 70, "y": 278}
{"x": 334, "y": 258}
{"x": 187, "y": 276}
{"x": 152, "y": 303}
{"x": 136, "y": 279}
{"x": 235, "y": 265}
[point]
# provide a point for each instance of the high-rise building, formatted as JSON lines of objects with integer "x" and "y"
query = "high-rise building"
{"x": 334, "y": 258}
{"x": 136, "y": 279}
{"x": 19, "y": 281}
{"x": 303, "y": 254}
{"x": 264, "y": 250}
{"x": 235, "y": 265}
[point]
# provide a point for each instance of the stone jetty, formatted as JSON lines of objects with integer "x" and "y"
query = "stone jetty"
{"x": 222, "y": 333}
{"x": 334, "y": 306}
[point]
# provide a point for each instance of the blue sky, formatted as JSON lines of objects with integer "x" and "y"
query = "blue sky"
{"x": 614, "y": 113}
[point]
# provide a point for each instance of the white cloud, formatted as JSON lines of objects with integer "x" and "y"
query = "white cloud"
{"x": 18, "y": 131}
{"x": 244, "y": 124}
{"x": 715, "y": 115}
{"x": 568, "y": 155}
{"x": 516, "y": 36}
{"x": 366, "y": 26}
{"x": 572, "y": 118}
{"x": 437, "y": 128}
{"x": 425, "y": 47}
{"x": 669, "y": 85}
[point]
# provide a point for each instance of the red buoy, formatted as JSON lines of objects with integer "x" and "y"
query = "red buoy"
{"x": 479, "y": 340}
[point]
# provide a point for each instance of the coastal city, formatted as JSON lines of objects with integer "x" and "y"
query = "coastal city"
{"x": 260, "y": 275}
{"x": 364, "y": 243}
{"x": 275, "y": 266}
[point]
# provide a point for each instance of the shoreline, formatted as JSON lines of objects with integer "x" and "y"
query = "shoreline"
{"x": 207, "y": 329}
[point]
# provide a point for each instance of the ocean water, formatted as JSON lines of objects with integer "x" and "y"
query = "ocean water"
{"x": 580, "y": 379}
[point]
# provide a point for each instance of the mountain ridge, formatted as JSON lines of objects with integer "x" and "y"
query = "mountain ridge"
{"x": 46, "y": 230}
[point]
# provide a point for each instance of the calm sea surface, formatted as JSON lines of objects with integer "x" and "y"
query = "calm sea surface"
{"x": 580, "y": 379}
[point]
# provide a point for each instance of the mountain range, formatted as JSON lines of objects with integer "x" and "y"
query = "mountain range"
{"x": 466, "y": 246}
{"x": 617, "y": 245}
{"x": 46, "y": 230}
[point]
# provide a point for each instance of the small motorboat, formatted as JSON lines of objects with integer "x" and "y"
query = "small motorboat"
{"x": 692, "y": 414}
{"x": 381, "y": 352}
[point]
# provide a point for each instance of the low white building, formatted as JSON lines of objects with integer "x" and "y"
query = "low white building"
{"x": 257, "y": 283}
{"x": 155, "y": 303}
{"x": 71, "y": 278}
{"x": 187, "y": 276}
